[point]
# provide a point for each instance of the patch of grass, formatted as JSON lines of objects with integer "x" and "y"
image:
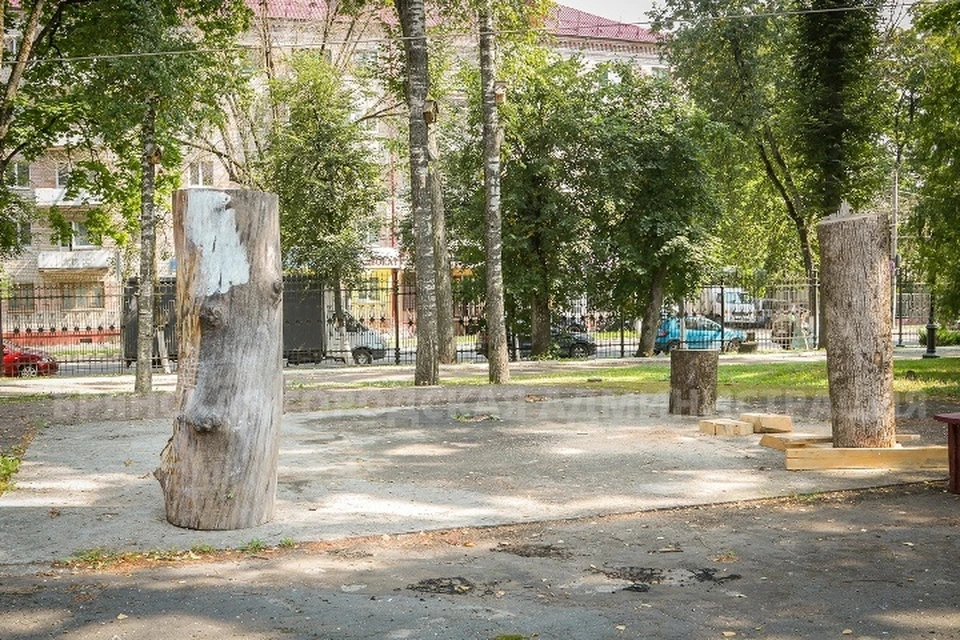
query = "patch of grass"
{"x": 9, "y": 464}
{"x": 939, "y": 378}
{"x": 96, "y": 558}
{"x": 287, "y": 543}
{"x": 253, "y": 546}
{"x": 201, "y": 548}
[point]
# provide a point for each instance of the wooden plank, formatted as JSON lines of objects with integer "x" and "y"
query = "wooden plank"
{"x": 810, "y": 458}
{"x": 783, "y": 441}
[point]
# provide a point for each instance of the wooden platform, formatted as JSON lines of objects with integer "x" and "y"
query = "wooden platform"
{"x": 804, "y": 458}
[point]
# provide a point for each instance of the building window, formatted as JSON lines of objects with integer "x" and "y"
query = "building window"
{"x": 79, "y": 237}
{"x": 18, "y": 174}
{"x": 82, "y": 295}
{"x": 24, "y": 234}
{"x": 22, "y": 298}
{"x": 63, "y": 175}
{"x": 11, "y": 44}
{"x": 201, "y": 173}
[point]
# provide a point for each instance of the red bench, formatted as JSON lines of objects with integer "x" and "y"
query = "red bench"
{"x": 953, "y": 448}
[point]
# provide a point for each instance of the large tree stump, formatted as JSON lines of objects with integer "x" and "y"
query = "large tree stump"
{"x": 219, "y": 470}
{"x": 693, "y": 382}
{"x": 855, "y": 268}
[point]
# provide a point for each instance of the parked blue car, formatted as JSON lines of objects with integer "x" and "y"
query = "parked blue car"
{"x": 701, "y": 333}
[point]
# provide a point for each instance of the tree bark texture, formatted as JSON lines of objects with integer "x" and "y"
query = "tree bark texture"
{"x": 143, "y": 380}
{"x": 219, "y": 470}
{"x": 413, "y": 25}
{"x": 446, "y": 337}
{"x": 498, "y": 357}
{"x": 855, "y": 268}
{"x": 651, "y": 314}
{"x": 540, "y": 325}
{"x": 693, "y": 382}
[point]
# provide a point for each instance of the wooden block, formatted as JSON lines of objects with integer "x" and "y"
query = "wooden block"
{"x": 784, "y": 441}
{"x": 768, "y": 422}
{"x": 725, "y": 427}
{"x": 808, "y": 458}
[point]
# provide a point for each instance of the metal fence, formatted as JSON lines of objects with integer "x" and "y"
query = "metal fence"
{"x": 91, "y": 328}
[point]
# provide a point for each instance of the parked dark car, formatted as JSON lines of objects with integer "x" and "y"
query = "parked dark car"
{"x": 26, "y": 362}
{"x": 565, "y": 344}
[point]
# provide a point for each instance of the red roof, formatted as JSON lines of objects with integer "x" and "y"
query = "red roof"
{"x": 564, "y": 21}
{"x": 570, "y": 22}
{"x": 290, "y": 9}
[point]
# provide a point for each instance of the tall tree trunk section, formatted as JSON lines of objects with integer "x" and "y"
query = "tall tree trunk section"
{"x": 143, "y": 382}
{"x": 498, "y": 357}
{"x": 447, "y": 347}
{"x": 651, "y": 314}
{"x": 219, "y": 470}
{"x": 855, "y": 258}
{"x": 540, "y": 325}
{"x": 413, "y": 26}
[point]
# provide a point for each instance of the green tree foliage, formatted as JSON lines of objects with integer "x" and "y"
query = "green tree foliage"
{"x": 321, "y": 165}
{"x": 126, "y": 62}
{"x": 605, "y": 187}
{"x": 936, "y": 152}
{"x": 545, "y": 216}
{"x": 839, "y": 103}
{"x": 798, "y": 84}
{"x": 31, "y": 117}
{"x": 653, "y": 208}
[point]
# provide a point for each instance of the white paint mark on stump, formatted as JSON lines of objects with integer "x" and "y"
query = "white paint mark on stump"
{"x": 211, "y": 226}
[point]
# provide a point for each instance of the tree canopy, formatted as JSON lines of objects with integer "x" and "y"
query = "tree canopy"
{"x": 322, "y": 166}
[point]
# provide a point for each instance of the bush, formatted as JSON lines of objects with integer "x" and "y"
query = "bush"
{"x": 945, "y": 337}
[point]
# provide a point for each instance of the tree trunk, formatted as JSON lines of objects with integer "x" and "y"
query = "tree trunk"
{"x": 693, "y": 382}
{"x": 651, "y": 314}
{"x": 498, "y": 357}
{"x": 143, "y": 381}
{"x": 855, "y": 259}
{"x": 219, "y": 470}
{"x": 413, "y": 25}
{"x": 447, "y": 340}
{"x": 540, "y": 326}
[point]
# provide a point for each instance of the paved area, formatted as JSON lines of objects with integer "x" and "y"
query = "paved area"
{"x": 394, "y": 470}
{"x": 467, "y": 515}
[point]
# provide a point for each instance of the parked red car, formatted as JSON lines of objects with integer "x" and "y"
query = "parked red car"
{"x": 27, "y": 363}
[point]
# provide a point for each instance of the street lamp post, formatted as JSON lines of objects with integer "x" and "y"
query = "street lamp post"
{"x": 931, "y": 351}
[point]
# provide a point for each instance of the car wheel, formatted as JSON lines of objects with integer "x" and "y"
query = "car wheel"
{"x": 733, "y": 346}
{"x": 579, "y": 351}
{"x": 673, "y": 344}
{"x": 363, "y": 357}
{"x": 29, "y": 371}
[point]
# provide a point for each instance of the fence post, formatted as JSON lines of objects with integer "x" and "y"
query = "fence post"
{"x": 622, "y": 345}
{"x": 396, "y": 318}
{"x": 723, "y": 314}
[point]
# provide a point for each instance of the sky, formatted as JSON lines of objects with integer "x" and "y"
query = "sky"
{"x": 629, "y": 11}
